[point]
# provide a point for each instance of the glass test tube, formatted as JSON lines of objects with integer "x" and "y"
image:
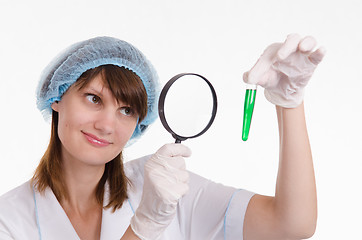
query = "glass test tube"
{"x": 248, "y": 109}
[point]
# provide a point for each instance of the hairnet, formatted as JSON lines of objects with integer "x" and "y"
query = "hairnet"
{"x": 69, "y": 65}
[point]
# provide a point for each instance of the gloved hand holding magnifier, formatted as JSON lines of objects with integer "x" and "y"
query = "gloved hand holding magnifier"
{"x": 188, "y": 109}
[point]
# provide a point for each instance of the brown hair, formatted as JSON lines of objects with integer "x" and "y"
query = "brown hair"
{"x": 125, "y": 86}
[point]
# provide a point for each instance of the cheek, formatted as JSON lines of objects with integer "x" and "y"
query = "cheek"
{"x": 63, "y": 128}
{"x": 68, "y": 121}
{"x": 125, "y": 131}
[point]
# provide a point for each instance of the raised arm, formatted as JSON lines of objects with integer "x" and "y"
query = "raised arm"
{"x": 292, "y": 213}
{"x": 284, "y": 70}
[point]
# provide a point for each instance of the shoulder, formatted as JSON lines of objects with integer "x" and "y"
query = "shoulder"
{"x": 134, "y": 168}
{"x": 21, "y": 196}
{"x": 134, "y": 171}
{"x": 17, "y": 207}
{"x": 228, "y": 206}
{"x": 210, "y": 191}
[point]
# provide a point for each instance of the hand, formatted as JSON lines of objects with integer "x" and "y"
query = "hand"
{"x": 284, "y": 70}
{"x": 165, "y": 182}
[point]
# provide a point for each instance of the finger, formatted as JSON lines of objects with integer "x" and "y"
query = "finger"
{"x": 317, "y": 56}
{"x": 289, "y": 46}
{"x": 174, "y": 149}
{"x": 183, "y": 189}
{"x": 176, "y": 163}
{"x": 254, "y": 76}
{"x": 179, "y": 191}
{"x": 182, "y": 176}
{"x": 307, "y": 44}
{"x": 246, "y": 77}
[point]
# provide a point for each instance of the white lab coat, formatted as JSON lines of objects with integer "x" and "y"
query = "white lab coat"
{"x": 207, "y": 211}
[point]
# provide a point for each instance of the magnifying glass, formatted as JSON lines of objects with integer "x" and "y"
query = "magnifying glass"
{"x": 188, "y": 109}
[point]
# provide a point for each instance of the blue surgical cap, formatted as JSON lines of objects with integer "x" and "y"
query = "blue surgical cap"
{"x": 70, "y": 64}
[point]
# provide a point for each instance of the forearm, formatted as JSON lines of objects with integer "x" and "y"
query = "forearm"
{"x": 295, "y": 197}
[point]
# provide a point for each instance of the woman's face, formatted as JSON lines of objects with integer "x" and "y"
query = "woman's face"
{"x": 93, "y": 127}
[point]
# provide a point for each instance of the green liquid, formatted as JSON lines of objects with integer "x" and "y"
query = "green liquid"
{"x": 248, "y": 111}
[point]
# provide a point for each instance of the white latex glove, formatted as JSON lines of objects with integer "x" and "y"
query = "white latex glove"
{"x": 165, "y": 182}
{"x": 284, "y": 70}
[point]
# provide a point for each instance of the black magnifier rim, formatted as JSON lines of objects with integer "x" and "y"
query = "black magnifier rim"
{"x": 161, "y": 104}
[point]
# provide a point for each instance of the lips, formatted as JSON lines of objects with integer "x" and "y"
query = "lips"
{"x": 95, "y": 140}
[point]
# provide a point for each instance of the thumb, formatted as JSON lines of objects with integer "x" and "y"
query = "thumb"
{"x": 262, "y": 66}
{"x": 317, "y": 56}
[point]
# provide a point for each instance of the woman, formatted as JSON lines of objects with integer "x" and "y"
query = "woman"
{"x": 102, "y": 94}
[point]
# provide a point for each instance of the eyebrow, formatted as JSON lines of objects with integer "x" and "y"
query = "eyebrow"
{"x": 96, "y": 91}
{"x": 89, "y": 88}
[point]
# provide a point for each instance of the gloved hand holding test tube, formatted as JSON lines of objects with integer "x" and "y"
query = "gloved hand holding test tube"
{"x": 283, "y": 70}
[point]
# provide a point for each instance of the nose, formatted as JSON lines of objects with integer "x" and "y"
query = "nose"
{"x": 105, "y": 122}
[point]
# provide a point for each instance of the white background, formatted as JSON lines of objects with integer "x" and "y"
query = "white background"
{"x": 220, "y": 40}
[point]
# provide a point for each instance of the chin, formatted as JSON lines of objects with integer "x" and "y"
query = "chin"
{"x": 95, "y": 159}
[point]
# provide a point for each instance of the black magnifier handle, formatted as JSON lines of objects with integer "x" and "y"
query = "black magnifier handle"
{"x": 178, "y": 138}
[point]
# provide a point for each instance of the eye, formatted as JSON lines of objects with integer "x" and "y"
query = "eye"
{"x": 127, "y": 111}
{"x": 93, "y": 98}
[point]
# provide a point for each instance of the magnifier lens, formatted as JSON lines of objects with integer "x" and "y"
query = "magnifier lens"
{"x": 188, "y": 105}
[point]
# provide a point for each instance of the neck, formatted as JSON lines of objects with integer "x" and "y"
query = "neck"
{"x": 81, "y": 181}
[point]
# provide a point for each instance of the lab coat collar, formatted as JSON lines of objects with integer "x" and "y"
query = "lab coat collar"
{"x": 53, "y": 223}
{"x": 114, "y": 224}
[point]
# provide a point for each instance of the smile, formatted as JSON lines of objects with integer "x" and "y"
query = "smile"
{"x": 96, "y": 141}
